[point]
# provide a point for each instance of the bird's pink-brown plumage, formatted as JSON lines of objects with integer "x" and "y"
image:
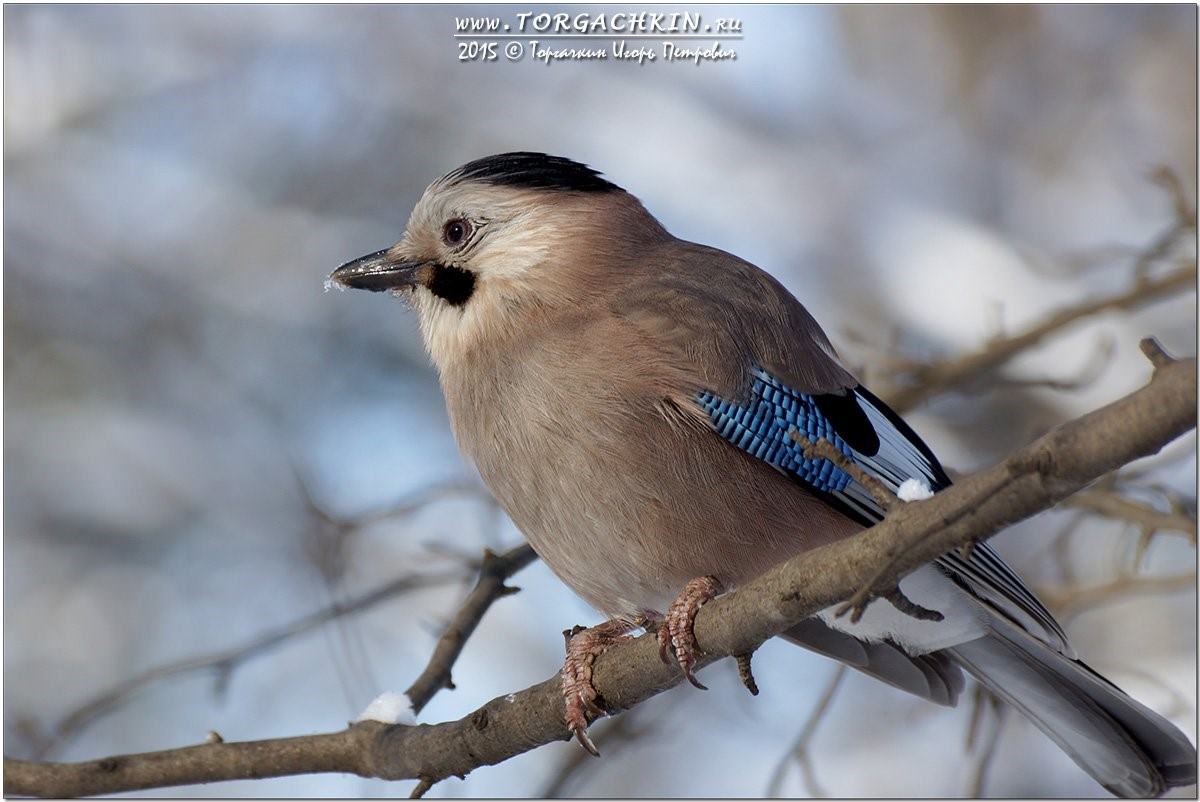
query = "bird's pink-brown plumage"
{"x": 586, "y": 428}
{"x": 574, "y": 353}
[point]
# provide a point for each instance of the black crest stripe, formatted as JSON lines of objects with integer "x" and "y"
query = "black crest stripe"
{"x": 533, "y": 171}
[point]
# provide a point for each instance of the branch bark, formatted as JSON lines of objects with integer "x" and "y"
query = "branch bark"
{"x": 1031, "y": 480}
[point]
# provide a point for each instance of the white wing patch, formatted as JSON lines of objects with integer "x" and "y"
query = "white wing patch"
{"x": 898, "y": 460}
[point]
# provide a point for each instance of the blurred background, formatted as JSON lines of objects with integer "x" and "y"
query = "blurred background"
{"x": 206, "y": 455}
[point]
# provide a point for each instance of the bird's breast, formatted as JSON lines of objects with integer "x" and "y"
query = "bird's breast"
{"x": 622, "y": 496}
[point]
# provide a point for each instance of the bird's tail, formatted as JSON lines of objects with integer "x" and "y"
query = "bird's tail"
{"x": 1128, "y": 748}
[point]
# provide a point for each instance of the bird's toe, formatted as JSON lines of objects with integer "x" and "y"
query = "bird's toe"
{"x": 582, "y": 700}
{"x": 677, "y": 629}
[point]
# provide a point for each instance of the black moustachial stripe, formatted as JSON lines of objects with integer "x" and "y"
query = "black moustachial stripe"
{"x": 452, "y": 284}
{"x": 533, "y": 171}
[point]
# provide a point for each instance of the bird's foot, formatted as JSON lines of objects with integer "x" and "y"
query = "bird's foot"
{"x": 676, "y": 630}
{"x": 583, "y": 647}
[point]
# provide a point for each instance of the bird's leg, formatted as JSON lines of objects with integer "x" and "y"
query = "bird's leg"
{"x": 583, "y": 647}
{"x": 676, "y": 630}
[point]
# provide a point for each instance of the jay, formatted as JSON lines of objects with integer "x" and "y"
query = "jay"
{"x": 640, "y": 406}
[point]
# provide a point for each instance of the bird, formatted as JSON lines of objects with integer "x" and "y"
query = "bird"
{"x": 643, "y": 408}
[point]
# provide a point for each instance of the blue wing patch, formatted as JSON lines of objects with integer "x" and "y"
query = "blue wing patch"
{"x": 762, "y": 427}
{"x": 876, "y": 439}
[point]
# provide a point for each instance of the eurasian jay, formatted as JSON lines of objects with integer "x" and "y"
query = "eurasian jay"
{"x": 639, "y": 405}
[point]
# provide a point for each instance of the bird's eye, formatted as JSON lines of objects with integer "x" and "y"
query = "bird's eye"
{"x": 456, "y": 232}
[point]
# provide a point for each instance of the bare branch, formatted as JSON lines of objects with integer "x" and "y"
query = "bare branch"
{"x": 935, "y": 378}
{"x": 985, "y": 700}
{"x": 493, "y": 573}
{"x": 1117, "y": 505}
{"x": 1068, "y": 604}
{"x": 799, "y": 749}
{"x": 1031, "y": 480}
{"x": 920, "y": 381}
{"x": 614, "y": 736}
{"x": 223, "y": 661}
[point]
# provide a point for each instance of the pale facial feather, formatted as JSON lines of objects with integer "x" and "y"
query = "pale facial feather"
{"x": 532, "y": 252}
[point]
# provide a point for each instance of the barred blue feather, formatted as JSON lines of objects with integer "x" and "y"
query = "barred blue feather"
{"x": 878, "y": 441}
{"x": 763, "y": 424}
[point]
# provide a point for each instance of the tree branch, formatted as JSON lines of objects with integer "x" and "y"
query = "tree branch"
{"x": 935, "y": 378}
{"x": 222, "y": 662}
{"x": 799, "y": 751}
{"x": 1029, "y": 481}
{"x": 1116, "y": 505}
{"x": 984, "y": 700}
{"x": 493, "y": 573}
{"x": 1069, "y": 604}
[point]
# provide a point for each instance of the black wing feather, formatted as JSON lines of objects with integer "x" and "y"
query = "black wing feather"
{"x": 879, "y": 441}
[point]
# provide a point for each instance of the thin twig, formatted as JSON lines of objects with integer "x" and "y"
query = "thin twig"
{"x": 407, "y": 506}
{"x": 1154, "y": 351}
{"x": 746, "y": 672}
{"x": 1185, "y": 209}
{"x": 985, "y": 700}
{"x": 910, "y": 607}
{"x": 614, "y": 734}
{"x": 421, "y": 788}
{"x": 823, "y": 449}
{"x": 998, "y": 481}
{"x": 223, "y": 662}
{"x": 798, "y": 751}
{"x": 935, "y": 378}
{"x": 1120, "y": 506}
{"x": 1084, "y": 376}
{"x": 493, "y": 573}
{"x": 1069, "y": 604}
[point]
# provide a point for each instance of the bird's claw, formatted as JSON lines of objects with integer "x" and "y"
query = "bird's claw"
{"x": 583, "y": 647}
{"x": 677, "y": 627}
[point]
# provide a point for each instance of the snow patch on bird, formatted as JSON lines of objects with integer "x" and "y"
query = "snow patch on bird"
{"x": 913, "y": 490}
{"x": 390, "y": 707}
{"x": 330, "y": 284}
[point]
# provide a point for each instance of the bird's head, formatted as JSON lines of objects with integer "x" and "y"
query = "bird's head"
{"x": 503, "y": 242}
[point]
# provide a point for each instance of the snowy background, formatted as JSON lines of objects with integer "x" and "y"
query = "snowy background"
{"x": 187, "y": 412}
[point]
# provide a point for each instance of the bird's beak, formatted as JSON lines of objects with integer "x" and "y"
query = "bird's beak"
{"x": 380, "y": 271}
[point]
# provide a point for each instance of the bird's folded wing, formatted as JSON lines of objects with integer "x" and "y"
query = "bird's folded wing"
{"x": 774, "y": 422}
